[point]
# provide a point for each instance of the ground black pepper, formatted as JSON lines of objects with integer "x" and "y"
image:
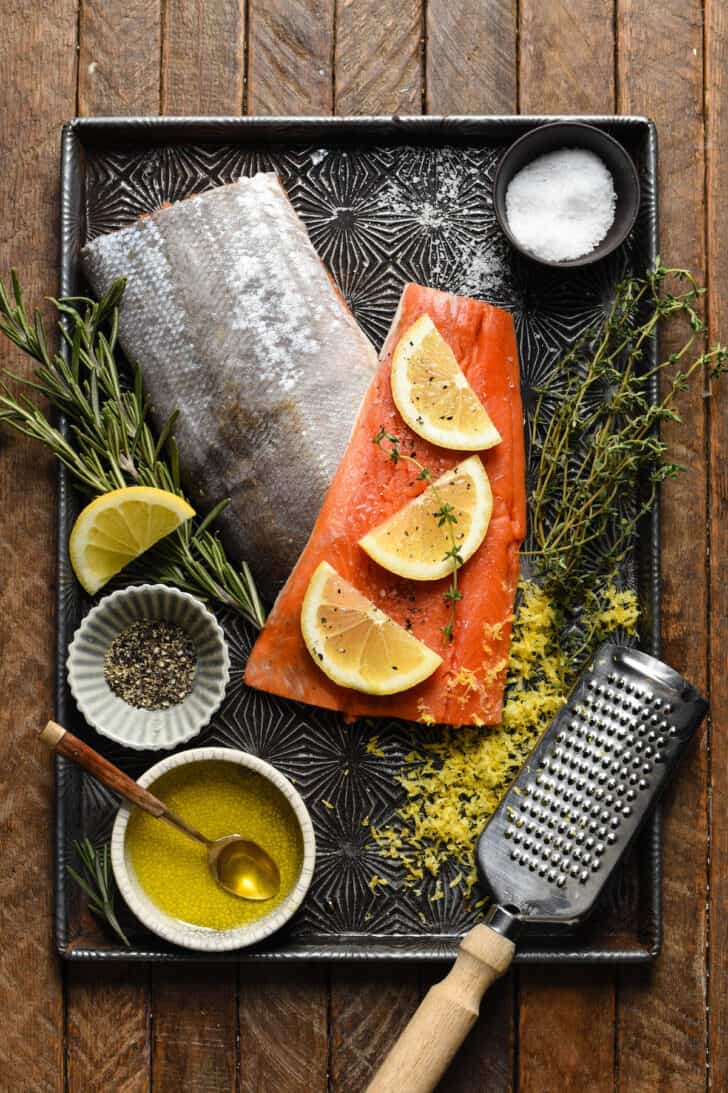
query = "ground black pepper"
{"x": 151, "y": 665}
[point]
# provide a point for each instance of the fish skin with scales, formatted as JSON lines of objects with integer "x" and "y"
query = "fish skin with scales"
{"x": 238, "y": 325}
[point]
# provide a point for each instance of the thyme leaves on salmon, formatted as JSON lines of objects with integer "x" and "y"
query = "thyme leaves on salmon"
{"x": 109, "y": 443}
{"x": 445, "y": 516}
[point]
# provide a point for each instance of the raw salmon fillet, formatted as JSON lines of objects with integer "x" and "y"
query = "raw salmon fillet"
{"x": 367, "y": 488}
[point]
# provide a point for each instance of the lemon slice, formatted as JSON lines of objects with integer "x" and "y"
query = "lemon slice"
{"x": 433, "y": 396}
{"x": 414, "y": 542}
{"x": 118, "y": 526}
{"x": 355, "y": 643}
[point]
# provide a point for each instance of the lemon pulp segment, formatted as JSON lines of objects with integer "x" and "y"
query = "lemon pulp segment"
{"x": 120, "y": 525}
{"x": 433, "y": 395}
{"x": 355, "y": 643}
{"x": 415, "y": 541}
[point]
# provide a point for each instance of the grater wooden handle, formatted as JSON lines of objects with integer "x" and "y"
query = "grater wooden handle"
{"x": 445, "y": 1016}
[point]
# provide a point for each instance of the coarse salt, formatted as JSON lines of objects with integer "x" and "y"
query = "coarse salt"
{"x": 562, "y": 204}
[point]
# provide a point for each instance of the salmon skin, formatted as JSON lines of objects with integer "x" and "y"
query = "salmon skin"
{"x": 368, "y": 488}
{"x": 237, "y": 325}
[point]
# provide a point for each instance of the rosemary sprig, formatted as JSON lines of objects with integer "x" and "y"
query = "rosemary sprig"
{"x": 97, "y": 881}
{"x": 445, "y": 516}
{"x": 110, "y": 443}
{"x": 600, "y": 445}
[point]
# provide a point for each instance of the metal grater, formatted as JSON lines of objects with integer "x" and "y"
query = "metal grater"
{"x": 585, "y": 790}
{"x": 555, "y": 839}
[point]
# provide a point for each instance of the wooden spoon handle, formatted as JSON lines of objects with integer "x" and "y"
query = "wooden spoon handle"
{"x": 58, "y": 739}
{"x": 446, "y": 1015}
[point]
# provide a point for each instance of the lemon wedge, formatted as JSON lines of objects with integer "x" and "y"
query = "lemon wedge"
{"x": 356, "y": 644}
{"x": 118, "y": 526}
{"x": 432, "y": 394}
{"x": 414, "y": 542}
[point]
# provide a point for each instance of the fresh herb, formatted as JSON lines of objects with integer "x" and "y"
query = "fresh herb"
{"x": 97, "y": 881}
{"x": 594, "y": 433}
{"x": 593, "y": 442}
{"x": 445, "y": 516}
{"x": 151, "y": 664}
{"x": 110, "y": 443}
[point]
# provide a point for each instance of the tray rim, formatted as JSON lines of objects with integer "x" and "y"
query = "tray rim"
{"x": 397, "y": 129}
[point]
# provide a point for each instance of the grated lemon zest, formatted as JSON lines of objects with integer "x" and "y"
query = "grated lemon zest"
{"x": 454, "y": 783}
{"x": 425, "y": 715}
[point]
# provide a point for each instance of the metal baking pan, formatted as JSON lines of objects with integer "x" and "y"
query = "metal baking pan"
{"x": 358, "y": 184}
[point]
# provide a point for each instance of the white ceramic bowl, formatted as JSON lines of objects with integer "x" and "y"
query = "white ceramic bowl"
{"x": 201, "y": 937}
{"x": 109, "y": 714}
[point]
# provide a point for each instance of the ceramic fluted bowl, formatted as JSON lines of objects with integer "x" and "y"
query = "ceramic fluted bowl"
{"x": 109, "y": 714}
{"x": 202, "y": 938}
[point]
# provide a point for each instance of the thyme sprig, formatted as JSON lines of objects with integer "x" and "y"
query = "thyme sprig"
{"x": 110, "y": 443}
{"x": 97, "y": 881}
{"x": 445, "y": 516}
{"x": 594, "y": 432}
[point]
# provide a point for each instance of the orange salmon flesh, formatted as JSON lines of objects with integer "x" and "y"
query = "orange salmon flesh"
{"x": 467, "y": 689}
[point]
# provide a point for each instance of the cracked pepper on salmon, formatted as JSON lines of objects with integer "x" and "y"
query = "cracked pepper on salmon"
{"x": 467, "y": 689}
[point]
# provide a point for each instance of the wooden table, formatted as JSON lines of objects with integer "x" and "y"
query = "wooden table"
{"x": 314, "y": 1029}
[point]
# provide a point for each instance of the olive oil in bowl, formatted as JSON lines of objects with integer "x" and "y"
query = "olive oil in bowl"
{"x": 218, "y": 798}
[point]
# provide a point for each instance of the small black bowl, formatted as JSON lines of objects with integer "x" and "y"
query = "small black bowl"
{"x": 572, "y": 134}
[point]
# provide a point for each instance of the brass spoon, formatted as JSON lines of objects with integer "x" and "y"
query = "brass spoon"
{"x": 238, "y": 865}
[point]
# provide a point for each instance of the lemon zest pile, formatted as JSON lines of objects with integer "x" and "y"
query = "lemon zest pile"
{"x": 455, "y": 782}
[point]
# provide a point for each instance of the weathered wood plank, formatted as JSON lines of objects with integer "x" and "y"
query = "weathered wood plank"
{"x": 486, "y": 1060}
{"x": 566, "y": 1031}
{"x": 108, "y": 1029}
{"x": 716, "y": 30}
{"x": 119, "y": 54}
{"x": 283, "y": 1030}
{"x": 662, "y": 1033}
{"x": 203, "y": 50}
{"x": 566, "y": 62}
{"x": 566, "y": 66}
{"x": 195, "y": 1026}
{"x": 378, "y": 57}
{"x": 471, "y": 57}
{"x": 290, "y": 64}
{"x": 369, "y": 1009}
{"x": 38, "y": 78}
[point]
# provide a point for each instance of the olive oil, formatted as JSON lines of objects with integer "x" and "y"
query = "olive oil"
{"x": 219, "y": 798}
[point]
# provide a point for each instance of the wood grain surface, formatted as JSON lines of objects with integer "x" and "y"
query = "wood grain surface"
{"x": 31, "y": 991}
{"x": 716, "y": 79}
{"x": 119, "y": 48}
{"x": 378, "y": 57}
{"x": 203, "y": 57}
{"x": 661, "y": 1043}
{"x": 471, "y": 57}
{"x": 319, "y": 1030}
{"x": 291, "y": 56}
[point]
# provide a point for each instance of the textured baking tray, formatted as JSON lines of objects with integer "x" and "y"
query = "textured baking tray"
{"x": 385, "y": 200}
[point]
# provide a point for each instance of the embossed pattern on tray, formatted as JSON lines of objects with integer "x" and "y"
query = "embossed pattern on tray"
{"x": 379, "y": 216}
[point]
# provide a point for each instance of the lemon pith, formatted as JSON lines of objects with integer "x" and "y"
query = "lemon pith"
{"x": 413, "y": 543}
{"x": 115, "y": 528}
{"x": 355, "y": 644}
{"x": 433, "y": 395}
